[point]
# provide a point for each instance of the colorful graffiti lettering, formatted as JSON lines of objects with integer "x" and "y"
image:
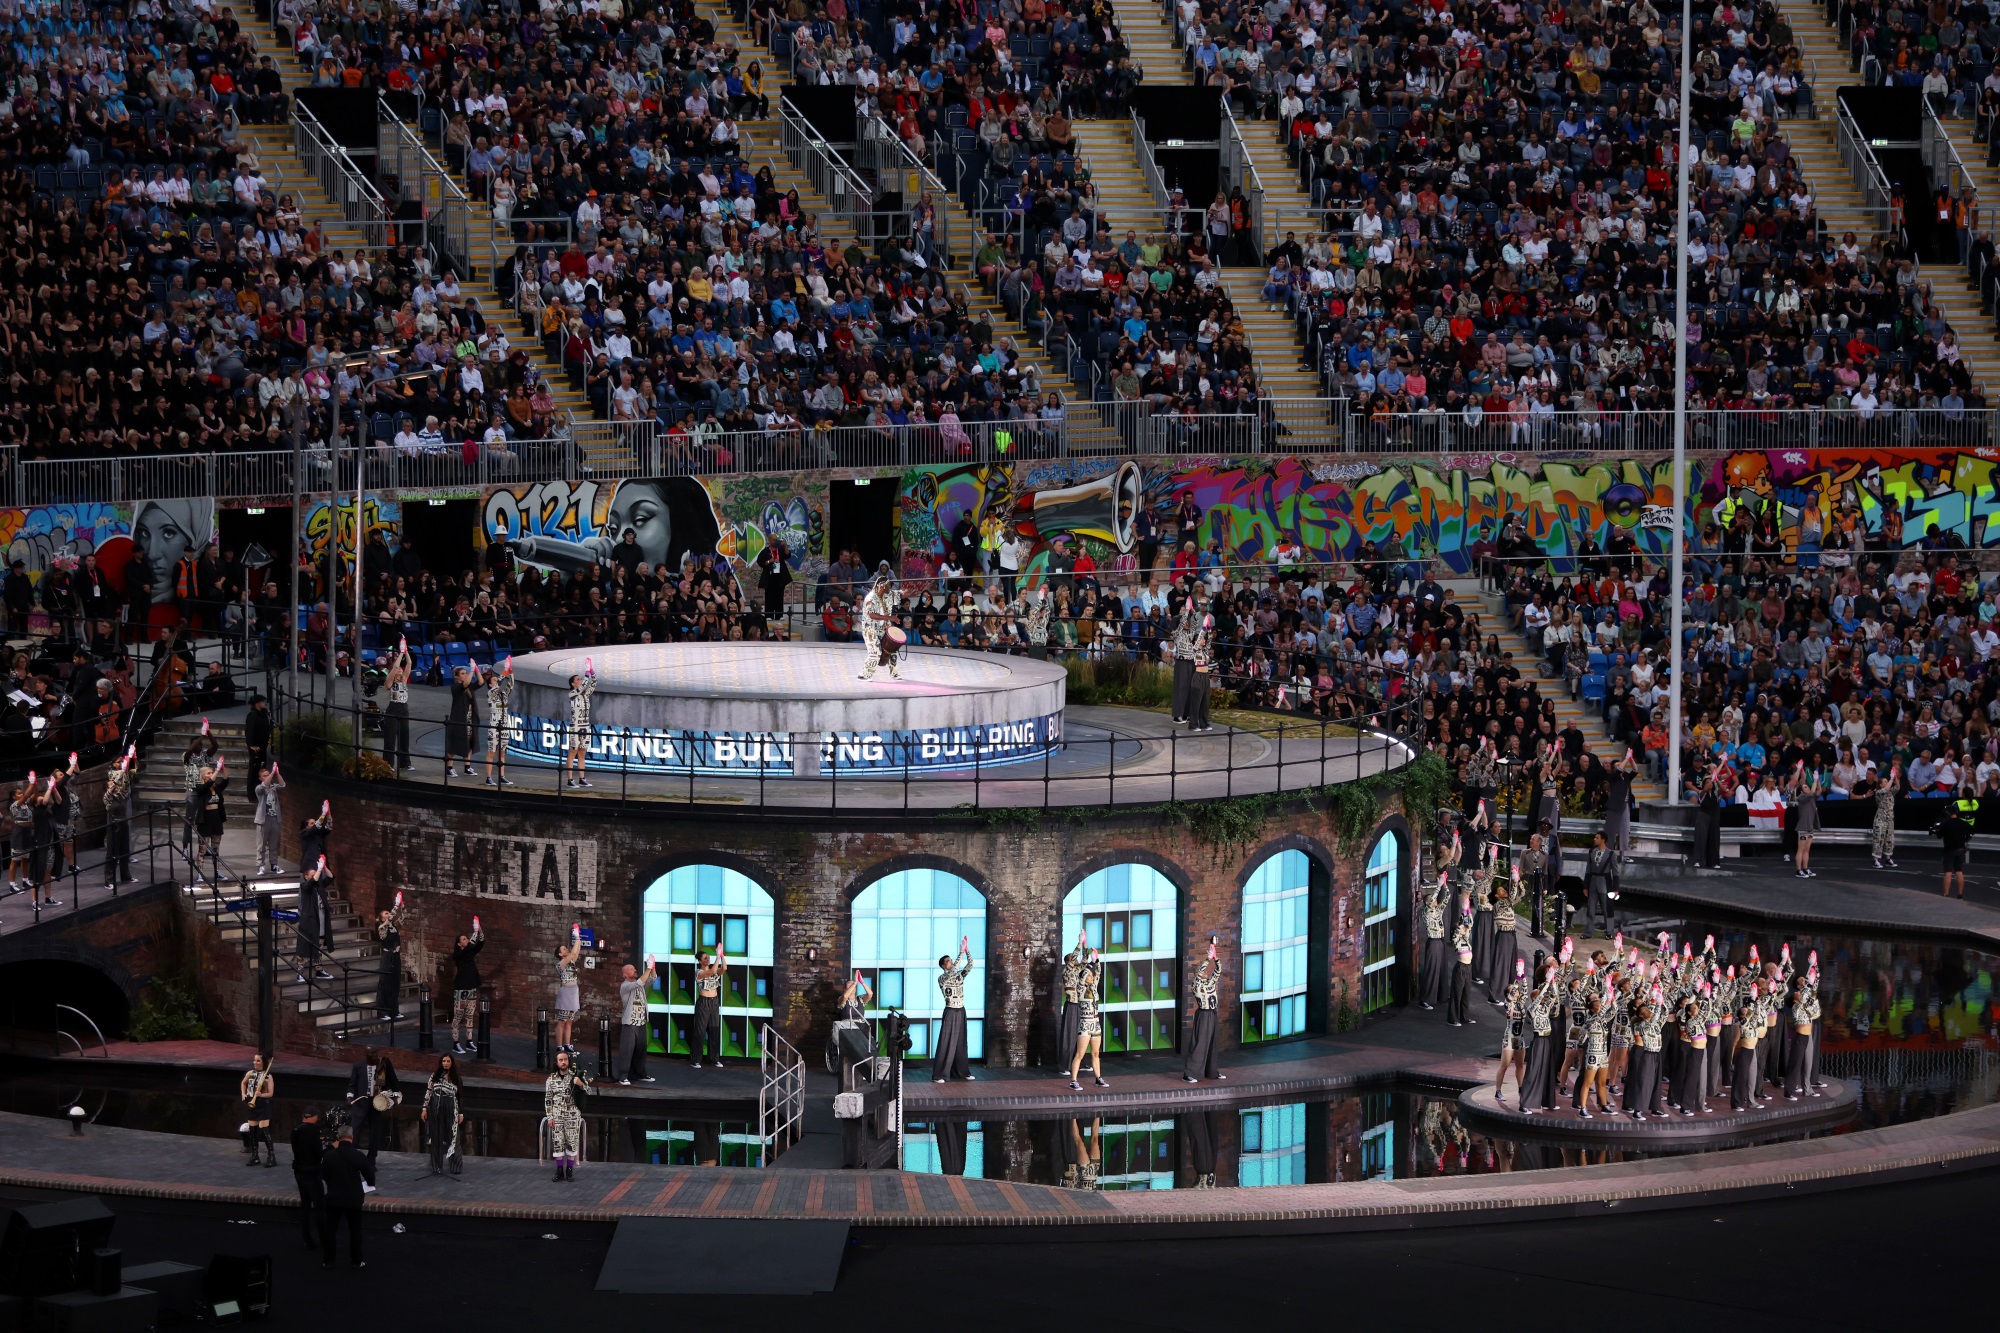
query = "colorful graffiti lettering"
{"x": 40, "y": 534}
{"x": 1937, "y": 494}
{"x": 1247, "y": 507}
{"x": 383, "y": 515}
{"x": 566, "y": 509}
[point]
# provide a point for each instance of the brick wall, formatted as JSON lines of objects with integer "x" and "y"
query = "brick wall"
{"x": 539, "y": 869}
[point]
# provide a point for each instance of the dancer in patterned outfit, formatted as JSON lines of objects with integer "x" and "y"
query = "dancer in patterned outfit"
{"x": 1458, "y": 1002}
{"x": 1645, "y": 1091}
{"x": 1035, "y": 615}
{"x": 559, "y": 1093}
{"x": 1480, "y": 880}
{"x": 1751, "y": 1020}
{"x": 1071, "y": 1016}
{"x": 1436, "y": 960}
{"x": 950, "y": 1057}
{"x": 465, "y": 991}
{"x": 1596, "y": 1075}
{"x": 1505, "y": 950}
{"x": 1799, "y": 1058}
{"x": 1885, "y": 817}
{"x": 118, "y": 824}
{"x": 1204, "y": 675}
{"x": 1623, "y": 994}
{"x": 1201, "y": 1062}
{"x": 580, "y": 689}
{"x": 1183, "y": 652}
{"x": 443, "y": 1116}
{"x": 878, "y": 610}
{"x": 1090, "y": 1027}
{"x": 389, "y": 932}
{"x": 1538, "y": 1082}
{"x": 705, "y": 1036}
{"x": 1514, "y": 1034}
{"x": 569, "y": 997}
{"x": 500, "y": 727}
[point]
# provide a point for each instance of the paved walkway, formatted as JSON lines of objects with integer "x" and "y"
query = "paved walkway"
{"x": 1847, "y": 893}
{"x": 1111, "y": 756}
{"x": 42, "y": 1153}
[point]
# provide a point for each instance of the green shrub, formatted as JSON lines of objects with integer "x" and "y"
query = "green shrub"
{"x": 171, "y": 1011}
{"x": 316, "y": 740}
{"x": 1118, "y": 680}
{"x": 367, "y": 767}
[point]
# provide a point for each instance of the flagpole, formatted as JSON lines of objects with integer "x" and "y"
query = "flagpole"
{"x": 1682, "y": 239}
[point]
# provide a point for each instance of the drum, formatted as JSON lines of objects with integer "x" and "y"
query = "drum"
{"x": 893, "y": 638}
{"x": 386, "y": 1101}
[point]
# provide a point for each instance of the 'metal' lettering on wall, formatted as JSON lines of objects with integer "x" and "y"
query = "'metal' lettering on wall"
{"x": 541, "y": 872}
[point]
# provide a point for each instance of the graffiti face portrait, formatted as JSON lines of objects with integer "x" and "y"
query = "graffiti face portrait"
{"x": 641, "y": 507}
{"x": 668, "y": 516}
{"x": 165, "y": 531}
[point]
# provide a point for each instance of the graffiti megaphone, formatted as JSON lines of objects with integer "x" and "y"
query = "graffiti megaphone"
{"x": 1107, "y": 508}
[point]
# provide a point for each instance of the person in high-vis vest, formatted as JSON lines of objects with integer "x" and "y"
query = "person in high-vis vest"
{"x": 1966, "y": 215}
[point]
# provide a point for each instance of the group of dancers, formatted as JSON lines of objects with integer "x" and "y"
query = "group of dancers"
{"x": 1666, "y": 1036}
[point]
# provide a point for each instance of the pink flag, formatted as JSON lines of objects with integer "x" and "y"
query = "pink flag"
{"x": 399, "y": 897}
{"x": 72, "y": 758}
{"x": 322, "y": 863}
{"x": 325, "y": 809}
{"x": 475, "y": 923}
{"x": 204, "y": 726}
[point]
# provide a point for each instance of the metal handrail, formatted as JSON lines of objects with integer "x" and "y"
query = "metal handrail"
{"x": 1859, "y": 158}
{"x": 104, "y": 1047}
{"x": 1240, "y": 170}
{"x": 620, "y": 449}
{"x": 831, "y": 177}
{"x": 780, "y": 1094}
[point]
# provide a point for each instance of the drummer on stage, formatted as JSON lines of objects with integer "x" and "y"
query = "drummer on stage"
{"x": 880, "y": 637}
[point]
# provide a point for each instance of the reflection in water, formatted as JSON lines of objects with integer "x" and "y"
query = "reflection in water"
{"x": 208, "y": 1108}
{"x": 1913, "y": 1022}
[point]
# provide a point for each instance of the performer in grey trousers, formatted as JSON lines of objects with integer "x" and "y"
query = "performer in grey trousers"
{"x": 1183, "y": 648}
{"x": 632, "y": 1023}
{"x": 268, "y": 814}
{"x": 118, "y": 824}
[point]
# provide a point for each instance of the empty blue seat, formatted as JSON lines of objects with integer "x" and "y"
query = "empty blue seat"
{"x": 1598, "y": 661}
{"x": 1593, "y": 686}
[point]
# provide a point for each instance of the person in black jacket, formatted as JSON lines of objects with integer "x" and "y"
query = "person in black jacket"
{"x": 19, "y": 595}
{"x": 376, "y": 1074}
{"x": 1956, "y": 835}
{"x": 343, "y": 1170}
{"x": 308, "y": 1150}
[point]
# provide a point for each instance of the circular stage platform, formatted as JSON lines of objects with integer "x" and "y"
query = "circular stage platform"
{"x": 790, "y": 709}
{"x": 1835, "y": 1105}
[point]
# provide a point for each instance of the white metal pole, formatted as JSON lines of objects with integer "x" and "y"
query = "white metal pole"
{"x": 1682, "y": 239}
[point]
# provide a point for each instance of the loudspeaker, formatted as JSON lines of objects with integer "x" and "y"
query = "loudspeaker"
{"x": 239, "y": 1280}
{"x": 177, "y": 1285}
{"x": 46, "y": 1245}
{"x": 103, "y": 1272}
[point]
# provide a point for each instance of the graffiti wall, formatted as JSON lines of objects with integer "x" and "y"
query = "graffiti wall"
{"x": 1330, "y": 506}
{"x": 757, "y": 512}
{"x": 1935, "y": 494}
{"x": 323, "y": 523}
{"x": 570, "y": 525}
{"x": 1440, "y": 505}
{"x": 153, "y": 535}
